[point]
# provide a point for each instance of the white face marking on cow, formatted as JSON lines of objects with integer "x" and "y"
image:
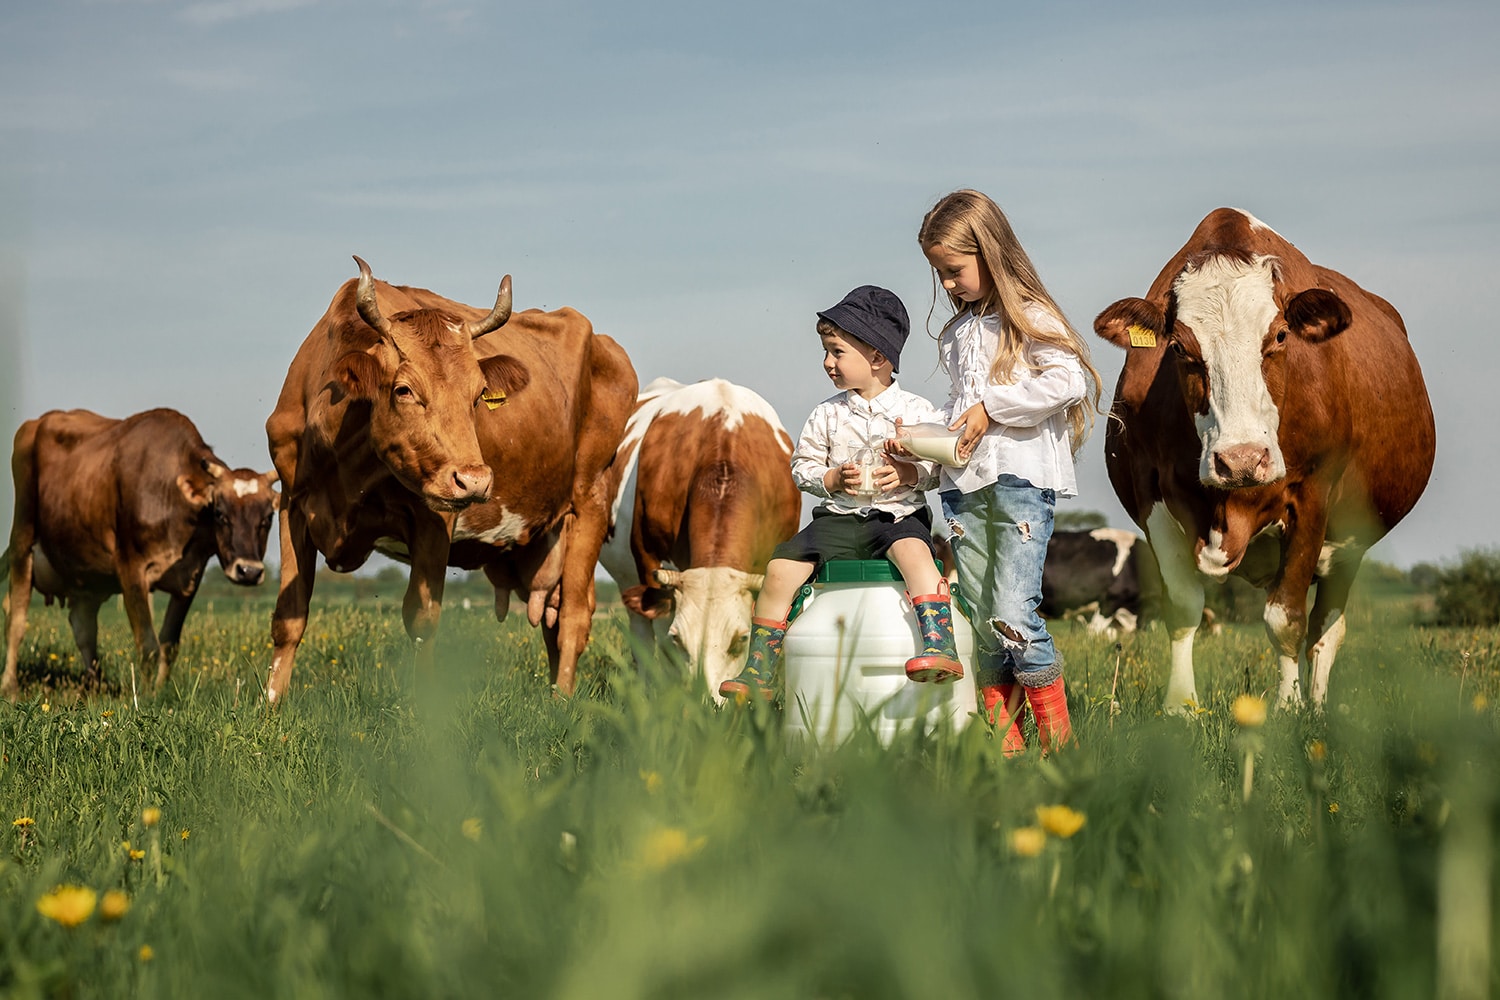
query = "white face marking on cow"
{"x": 246, "y": 487}
{"x": 1123, "y": 540}
{"x": 1229, "y": 306}
{"x": 510, "y": 528}
{"x": 711, "y": 622}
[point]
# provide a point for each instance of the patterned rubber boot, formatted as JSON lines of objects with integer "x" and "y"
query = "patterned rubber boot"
{"x": 1049, "y": 706}
{"x": 1002, "y": 707}
{"x": 762, "y": 663}
{"x": 938, "y": 661}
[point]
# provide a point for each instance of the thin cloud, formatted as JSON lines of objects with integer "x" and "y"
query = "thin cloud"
{"x": 234, "y": 10}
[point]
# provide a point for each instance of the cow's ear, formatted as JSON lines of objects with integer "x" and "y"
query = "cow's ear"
{"x": 1131, "y": 323}
{"x": 504, "y": 376}
{"x": 358, "y": 374}
{"x": 198, "y": 497}
{"x": 649, "y": 602}
{"x": 1317, "y": 314}
{"x": 270, "y": 479}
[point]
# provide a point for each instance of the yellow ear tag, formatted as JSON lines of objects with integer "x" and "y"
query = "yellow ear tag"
{"x": 492, "y": 399}
{"x": 1141, "y": 337}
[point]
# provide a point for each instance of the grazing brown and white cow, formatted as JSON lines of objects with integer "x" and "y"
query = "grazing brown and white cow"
{"x": 1270, "y": 421}
{"x": 1094, "y": 576}
{"x": 107, "y": 507}
{"x": 442, "y": 436}
{"x": 703, "y": 492}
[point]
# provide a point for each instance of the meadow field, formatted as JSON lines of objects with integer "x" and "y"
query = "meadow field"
{"x": 463, "y": 833}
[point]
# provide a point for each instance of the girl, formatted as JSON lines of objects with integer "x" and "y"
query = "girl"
{"x": 1025, "y": 395}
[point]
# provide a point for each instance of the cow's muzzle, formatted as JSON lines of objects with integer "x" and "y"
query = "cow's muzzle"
{"x": 246, "y": 572}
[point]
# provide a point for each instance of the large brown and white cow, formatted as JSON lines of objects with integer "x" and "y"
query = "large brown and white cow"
{"x": 703, "y": 493}
{"x": 1270, "y": 421}
{"x": 107, "y": 507}
{"x": 444, "y": 436}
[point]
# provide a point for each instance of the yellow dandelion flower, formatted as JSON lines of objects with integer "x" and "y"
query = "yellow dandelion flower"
{"x": 151, "y": 815}
{"x": 114, "y": 905}
{"x": 1028, "y": 841}
{"x": 146, "y": 953}
{"x": 1317, "y": 750}
{"x": 47, "y": 705}
{"x": 137, "y": 855}
{"x": 185, "y": 834}
{"x": 1333, "y": 808}
{"x": 107, "y": 713}
{"x": 667, "y": 846}
{"x": 473, "y": 828}
{"x": 23, "y": 821}
{"x": 1249, "y": 711}
{"x": 1481, "y": 702}
{"x": 1060, "y": 821}
{"x": 652, "y": 781}
{"x": 69, "y": 905}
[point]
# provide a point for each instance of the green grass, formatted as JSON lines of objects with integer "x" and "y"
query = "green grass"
{"x": 464, "y": 833}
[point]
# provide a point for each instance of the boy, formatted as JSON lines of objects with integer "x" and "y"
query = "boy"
{"x": 869, "y": 509}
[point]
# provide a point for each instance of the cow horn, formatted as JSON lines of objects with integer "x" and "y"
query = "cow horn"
{"x": 668, "y": 578}
{"x": 365, "y": 300}
{"x": 498, "y": 315}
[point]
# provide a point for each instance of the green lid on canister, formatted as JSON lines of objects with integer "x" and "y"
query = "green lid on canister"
{"x": 857, "y": 571}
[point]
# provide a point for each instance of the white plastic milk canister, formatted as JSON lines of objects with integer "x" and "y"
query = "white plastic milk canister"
{"x": 845, "y": 659}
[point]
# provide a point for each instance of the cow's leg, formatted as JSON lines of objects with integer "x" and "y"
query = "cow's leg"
{"x": 289, "y": 620}
{"x": 83, "y": 616}
{"x": 19, "y": 597}
{"x": 1184, "y": 604}
{"x": 171, "y": 625}
{"x": 1326, "y": 625}
{"x": 422, "y": 607}
{"x": 136, "y": 594}
{"x": 583, "y": 538}
{"x": 22, "y": 539}
{"x": 1286, "y": 602}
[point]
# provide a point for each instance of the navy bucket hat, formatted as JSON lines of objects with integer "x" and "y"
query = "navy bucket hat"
{"x": 874, "y": 315}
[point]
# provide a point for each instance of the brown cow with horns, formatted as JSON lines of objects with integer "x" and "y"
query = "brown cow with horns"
{"x": 442, "y": 436}
{"x": 1270, "y": 421}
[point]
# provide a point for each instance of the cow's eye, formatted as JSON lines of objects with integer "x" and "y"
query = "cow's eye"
{"x": 1281, "y": 336}
{"x": 405, "y": 394}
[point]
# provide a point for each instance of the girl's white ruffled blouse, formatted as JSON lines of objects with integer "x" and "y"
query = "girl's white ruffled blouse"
{"x": 1028, "y": 432}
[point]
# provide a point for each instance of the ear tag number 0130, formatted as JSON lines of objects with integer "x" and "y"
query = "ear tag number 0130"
{"x": 1141, "y": 337}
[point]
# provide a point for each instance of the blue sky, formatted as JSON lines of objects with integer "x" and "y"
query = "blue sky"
{"x": 182, "y": 184}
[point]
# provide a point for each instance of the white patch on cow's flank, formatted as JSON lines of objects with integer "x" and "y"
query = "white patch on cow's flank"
{"x": 1229, "y": 305}
{"x": 510, "y": 527}
{"x": 1331, "y": 551}
{"x": 246, "y": 487}
{"x": 1124, "y": 541}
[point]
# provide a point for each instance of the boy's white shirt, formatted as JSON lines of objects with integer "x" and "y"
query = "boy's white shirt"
{"x": 843, "y": 424}
{"x": 1028, "y": 434}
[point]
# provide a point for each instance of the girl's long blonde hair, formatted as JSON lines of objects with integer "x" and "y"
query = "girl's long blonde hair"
{"x": 969, "y": 222}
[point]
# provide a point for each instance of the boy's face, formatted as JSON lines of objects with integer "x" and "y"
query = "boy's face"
{"x": 850, "y": 362}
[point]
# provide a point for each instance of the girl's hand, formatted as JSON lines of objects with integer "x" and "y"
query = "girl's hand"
{"x": 893, "y": 444}
{"x": 974, "y": 421}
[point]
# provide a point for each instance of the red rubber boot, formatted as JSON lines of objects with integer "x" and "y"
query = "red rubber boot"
{"x": 1002, "y": 707}
{"x": 1049, "y": 706}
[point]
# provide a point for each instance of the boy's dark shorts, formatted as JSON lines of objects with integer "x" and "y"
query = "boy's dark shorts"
{"x": 853, "y": 536}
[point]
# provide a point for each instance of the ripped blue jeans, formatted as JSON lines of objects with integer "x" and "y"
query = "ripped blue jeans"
{"x": 999, "y": 536}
